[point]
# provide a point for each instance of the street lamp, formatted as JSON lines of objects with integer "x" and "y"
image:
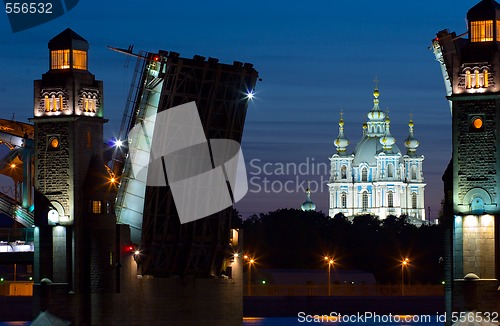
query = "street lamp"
{"x": 330, "y": 262}
{"x": 251, "y": 261}
{"x": 404, "y": 263}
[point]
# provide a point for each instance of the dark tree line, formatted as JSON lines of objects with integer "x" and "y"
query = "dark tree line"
{"x": 291, "y": 238}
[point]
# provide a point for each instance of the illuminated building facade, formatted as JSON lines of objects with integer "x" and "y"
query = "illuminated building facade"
{"x": 377, "y": 178}
{"x": 472, "y": 181}
{"x": 75, "y": 224}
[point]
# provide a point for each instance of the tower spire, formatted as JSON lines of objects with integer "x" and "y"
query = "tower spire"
{"x": 411, "y": 143}
{"x": 341, "y": 142}
{"x": 387, "y": 141}
{"x": 376, "y": 117}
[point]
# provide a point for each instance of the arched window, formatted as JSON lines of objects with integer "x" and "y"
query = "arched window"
{"x": 390, "y": 199}
{"x": 414, "y": 200}
{"x": 85, "y": 104}
{"x": 476, "y": 77}
{"x": 53, "y": 103}
{"x": 364, "y": 203}
{"x": 47, "y": 103}
{"x": 343, "y": 199}
{"x": 343, "y": 172}
{"x": 390, "y": 170}
{"x": 486, "y": 75}
{"x": 364, "y": 174}
{"x": 468, "y": 79}
{"x": 61, "y": 103}
{"x": 413, "y": 172}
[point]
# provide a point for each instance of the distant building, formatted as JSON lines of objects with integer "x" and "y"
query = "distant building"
{"x": 376, "y": 178}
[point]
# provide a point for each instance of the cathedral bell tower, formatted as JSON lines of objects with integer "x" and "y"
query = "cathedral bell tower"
{"x": 471, "y": 68}
{"x": 74, "y": 193}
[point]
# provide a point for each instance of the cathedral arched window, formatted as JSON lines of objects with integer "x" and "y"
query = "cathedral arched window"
{"x": 364, "y": 174}
{"x": 414, "y": 200}
{"x": 343, "y": 199}
{"x": 390, "y": 199}
{"x": 390, "y": 170}
{"x": 364, "y": 202}
{"x": 413, "y": 172}
{"x": 343, "y": 172}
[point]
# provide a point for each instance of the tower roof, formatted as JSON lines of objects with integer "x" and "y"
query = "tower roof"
{"x": 308, "y": 205}
{"x": 68, "y": 39}
{"x": 484, "y": 10}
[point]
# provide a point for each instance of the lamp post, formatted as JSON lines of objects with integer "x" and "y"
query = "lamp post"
{"x": 404, "y": 263}
{"x": 251, "y": 261}
{"x": 330, "y": 262}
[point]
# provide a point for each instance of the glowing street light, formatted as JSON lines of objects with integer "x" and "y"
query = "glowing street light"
{"x": 404, "y": 263}
{"x": 330, "y": 262}
{"x": 250, "y": 261}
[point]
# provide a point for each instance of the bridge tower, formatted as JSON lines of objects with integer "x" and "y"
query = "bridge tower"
{"x": 471, "y": 67}
{"x": 75, "y": 250}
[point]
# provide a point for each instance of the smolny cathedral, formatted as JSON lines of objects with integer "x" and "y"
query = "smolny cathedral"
{"x": 376, "y": 178}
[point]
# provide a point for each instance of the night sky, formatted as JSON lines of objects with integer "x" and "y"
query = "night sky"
{"x": 314, "y": 60}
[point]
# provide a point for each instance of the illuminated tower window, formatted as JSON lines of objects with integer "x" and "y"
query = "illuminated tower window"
{"x": 47, "y": 103}
{"x": 343, "y": 172}
{"x": 344, "y": 200}
{"x": 482, "y": 31}
{"x": 85, "y": 104}
{"x": 96, "y": 207}
{"x": 468, "y": 79}
{"x": 53, "y": 103}
{"x": 476, "y": 123}
{"x": 59, "y": 59}
{"x": 390, "y": 199}
{"x": 414, "y": 200}
{"x": 61, "y": 103}
{"x": 364, "y": 174}
{"x": 476, "y": 77}
{"x": 485, "y": 77}
{"x": 364, "y": 205}
{"x": 93, "y": 104}
{"x": 80, "y": 59}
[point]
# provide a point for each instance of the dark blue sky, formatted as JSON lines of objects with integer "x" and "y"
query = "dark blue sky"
{"x": 315, "y": 59}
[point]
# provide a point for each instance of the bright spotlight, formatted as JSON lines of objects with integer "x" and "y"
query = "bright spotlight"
{"x": 137, "y": 252}
{"x": 250, "y": 95}
{"x": 118, "y": 143}
{"x": 12, "y": 165}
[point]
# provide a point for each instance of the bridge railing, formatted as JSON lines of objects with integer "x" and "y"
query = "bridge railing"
{"x": 13, "y": 209}
{"x": 344, "y": 290}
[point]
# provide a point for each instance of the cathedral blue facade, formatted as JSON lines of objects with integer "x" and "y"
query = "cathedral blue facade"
{"x": 376, "y": 178}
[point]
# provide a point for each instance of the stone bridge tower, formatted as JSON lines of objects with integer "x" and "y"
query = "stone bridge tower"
{"x": 471, "y": 67}
{"x": 75, "y": 224}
